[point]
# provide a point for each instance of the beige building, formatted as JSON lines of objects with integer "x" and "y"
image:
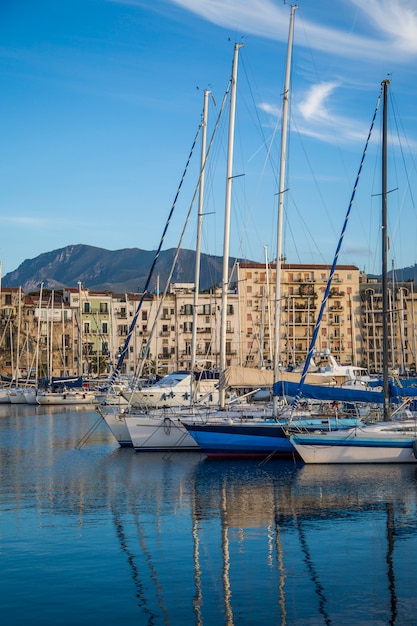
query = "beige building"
{"x": 82, "y": 332}
{"x": 402, "y": 325}
{"x": 161, "y": 340}
{"x": 302, "y": 292}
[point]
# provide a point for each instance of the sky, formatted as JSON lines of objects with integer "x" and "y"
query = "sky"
{"x": 102, "y": 101}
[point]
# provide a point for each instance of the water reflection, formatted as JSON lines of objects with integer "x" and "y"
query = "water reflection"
{"x": 175, "y": 538}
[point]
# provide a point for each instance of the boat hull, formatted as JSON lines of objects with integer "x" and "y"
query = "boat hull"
{"x": 241, "y": 440}
{"x": 257, "y": 437}
{"x": 159, "y": 433}
{"x": 355, "y": 447}
{"x": 117, "y": 425}
{"x": 66, "y": 399}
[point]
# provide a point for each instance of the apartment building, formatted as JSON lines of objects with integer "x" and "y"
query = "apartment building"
{"x": 161, "y": 341}
{"x": 402, "y": 319}
{"x": 302, "y": 289}
{"x": 83, "y": 332}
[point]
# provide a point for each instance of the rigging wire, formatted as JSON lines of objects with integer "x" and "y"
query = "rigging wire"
{"x": 124, "y": 350}
{"x": 168, "y": 282}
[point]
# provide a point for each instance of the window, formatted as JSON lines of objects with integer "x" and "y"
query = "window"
{"x": 86, "y": 307}
{"x": 103, "y": 307}
{"x": 206, "y": 309}
{"x": 104, "y": 328}
{"x": 86, "y": 327}
{"x": 145, "y": 316}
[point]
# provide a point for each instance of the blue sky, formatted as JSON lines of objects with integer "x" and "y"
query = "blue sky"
{"x": 101, "y": 100}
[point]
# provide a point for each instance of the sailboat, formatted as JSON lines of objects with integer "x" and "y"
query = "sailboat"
{"x": 156, "y": 430}
{"x": 389, "y": 441}
{"x": 152, "y": 410}
{"x": 249, "y": 433}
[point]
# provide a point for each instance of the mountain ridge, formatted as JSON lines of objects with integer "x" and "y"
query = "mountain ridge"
{"x": 118, "y": 271}
{"x": 125, "y": 270}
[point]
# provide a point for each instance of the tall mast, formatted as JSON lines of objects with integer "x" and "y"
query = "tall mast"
{"x": 284, "y": 130}
{"x": 384, "y": 230}
{"x": 229, "y": 175}
{"x": 198, "y": 244}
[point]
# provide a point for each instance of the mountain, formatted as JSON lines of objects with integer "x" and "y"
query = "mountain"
{"x": 404, "y": 275}
{"x": 118, "y": 271}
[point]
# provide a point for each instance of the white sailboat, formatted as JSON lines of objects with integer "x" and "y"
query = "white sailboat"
{"x": 161, "y": 431}
{"x": 385, "y": 442}
{"x": 254, "y": 435}
{"x": 176, "y": 390}
{"x": 66, "y": 397}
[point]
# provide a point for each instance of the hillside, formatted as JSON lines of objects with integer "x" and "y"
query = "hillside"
{"x": 118, "y": 271}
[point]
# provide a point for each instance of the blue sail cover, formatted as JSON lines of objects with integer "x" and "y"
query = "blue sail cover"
{"x": 341, "y": 394}
{"x": 327, "y": 392}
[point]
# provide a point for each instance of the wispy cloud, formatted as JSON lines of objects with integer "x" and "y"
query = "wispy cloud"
{"x": 314, "y": 116}
{"x": 314, "y": 104}
{"x": 386, "y": 29}
{"x": 24, "y": 220}
{"x": 396, "y": 21}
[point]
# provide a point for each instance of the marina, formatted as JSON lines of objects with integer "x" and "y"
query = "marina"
{"x": 91, "y": 531}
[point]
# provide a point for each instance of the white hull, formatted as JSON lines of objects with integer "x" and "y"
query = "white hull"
{"x": 171, "y": 398}
{"x": 174, "y": 391}
{"x": 4, "y": 396}
{"x": 158, "y": 432}
{"x": 117, "y": 425}
{"x": 380, "y": 443}
{"x": 17, "y": 396}
{"x": 31, "y": 396}
{"x": 66, "y": 398}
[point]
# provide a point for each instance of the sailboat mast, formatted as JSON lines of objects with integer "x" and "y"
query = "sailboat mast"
{"x": 198, "y": 244}
{"x": 384, "y": 229}
{"x": 229, "y": 176}
{"x": 284, "y": 131}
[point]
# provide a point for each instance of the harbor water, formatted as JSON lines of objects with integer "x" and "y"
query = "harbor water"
{"x": 91, "y": 533}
